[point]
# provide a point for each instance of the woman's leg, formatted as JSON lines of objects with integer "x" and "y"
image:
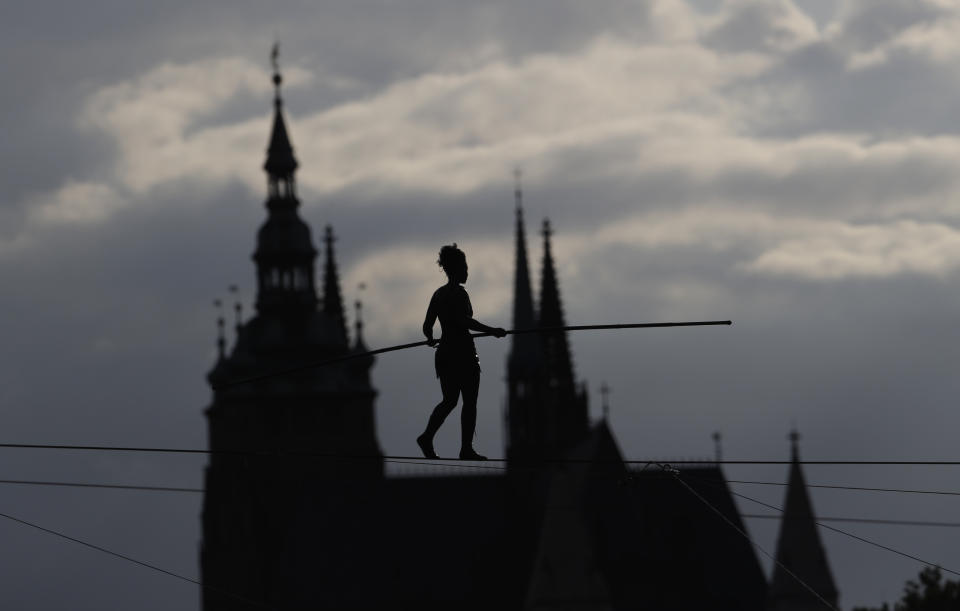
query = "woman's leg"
{"x": 468, "y": 414}
{"x": 451, "y": 390}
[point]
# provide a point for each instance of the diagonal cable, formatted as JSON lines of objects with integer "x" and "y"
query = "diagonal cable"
{"x": 743, "y": 533}
{"x": 853, "y": 536}
{"x": 152, "y": 567}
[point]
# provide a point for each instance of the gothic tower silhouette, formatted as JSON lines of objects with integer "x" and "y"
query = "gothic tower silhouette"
{"x": 564, "y": 396}
{"x": 269, "y": 437}
{"x": 547, "y": 411}
{"x": 525, "y": 368}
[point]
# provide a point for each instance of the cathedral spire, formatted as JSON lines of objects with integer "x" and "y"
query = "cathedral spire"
{"x": 285, "y": 252}
{"x": 557, "y": 347}
{"x": 525, "y": 408}
{"x": 280, "y": 164}
{"x": 332, "y": 299}
{"x": 523, "y": 316}
{"x": 799, "y": 549}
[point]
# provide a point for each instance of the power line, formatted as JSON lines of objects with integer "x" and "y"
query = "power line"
{"x": 200, "y": 490}
{"x": 861, "y": 488}
{"x": 96, "y": 448}
{"x": 92, "y": 485}
{"x": 273, "y": 453}
{"x": 674, "y": 472}
{"x": 857, "y": 520}
{"x": 109, "y": 552}
{"x": 545, "y": 330}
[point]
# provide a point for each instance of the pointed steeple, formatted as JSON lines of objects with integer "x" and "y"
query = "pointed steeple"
{"x": 525, "y": 356}
{"x": 280, "y": 161}
{"x": 799, "y": 549}
{"x": 332, "y": 299}
{"x": 285, "y": 253}
{"x": 529, "y": 429}
{"x": 523, "y": 316}
{"x": 556, "y": 345}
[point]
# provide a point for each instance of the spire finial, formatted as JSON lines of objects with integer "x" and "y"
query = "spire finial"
{"x": 221, "y": 341}
{"x": 518, "y": 187}
{"x": 280, "y": 164}
{"x": 794, "y": 438}
{"x": 717, "y": 446}
{"x": 605, "y": 400}
{"x": 277, "y": 79}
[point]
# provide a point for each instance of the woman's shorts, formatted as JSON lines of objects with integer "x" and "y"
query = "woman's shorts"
{"x": 459, "y": 365}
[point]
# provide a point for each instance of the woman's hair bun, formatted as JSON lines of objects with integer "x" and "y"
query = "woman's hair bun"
{"x": 450, "y": 254}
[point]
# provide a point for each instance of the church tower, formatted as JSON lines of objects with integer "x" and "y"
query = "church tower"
{"x": 274, "y": 439}
{"x": 799, "y": 550}
{"x": 546, "y": 411}
{"x": 525, "y": 372}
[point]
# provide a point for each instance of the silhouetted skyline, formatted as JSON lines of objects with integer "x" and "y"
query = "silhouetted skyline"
{"x": 781, "y": 164}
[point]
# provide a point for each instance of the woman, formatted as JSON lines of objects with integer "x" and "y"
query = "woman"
{"x": 456, "y": 359}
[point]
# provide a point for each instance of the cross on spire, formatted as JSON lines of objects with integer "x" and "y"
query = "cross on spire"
{"x": 277, "y": 79}
{"x": 280, "y": 164}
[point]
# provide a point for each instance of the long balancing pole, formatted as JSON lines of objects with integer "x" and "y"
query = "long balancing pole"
{"x": 358, "y": 355}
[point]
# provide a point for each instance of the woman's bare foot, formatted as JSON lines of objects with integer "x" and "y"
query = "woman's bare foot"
{"x": 470, "y": 454}
{"x": 426, "y": 446}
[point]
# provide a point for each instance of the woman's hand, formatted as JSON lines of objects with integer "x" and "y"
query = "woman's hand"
{"x": 499, "y": 332}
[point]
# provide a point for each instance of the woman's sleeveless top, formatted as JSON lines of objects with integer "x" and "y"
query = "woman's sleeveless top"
{"x": 456, "y": 349}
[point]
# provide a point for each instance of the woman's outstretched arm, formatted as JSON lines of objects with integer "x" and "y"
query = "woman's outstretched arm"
{"x": 475, "y": 325}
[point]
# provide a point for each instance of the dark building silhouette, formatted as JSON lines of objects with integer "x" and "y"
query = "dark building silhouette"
{"x": 309, "y": 521}
{"x": 249, "y": 500}
{"x": 799, "y": 550}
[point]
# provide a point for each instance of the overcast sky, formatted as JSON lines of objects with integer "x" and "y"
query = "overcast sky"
{"x": 790, "y": 165}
